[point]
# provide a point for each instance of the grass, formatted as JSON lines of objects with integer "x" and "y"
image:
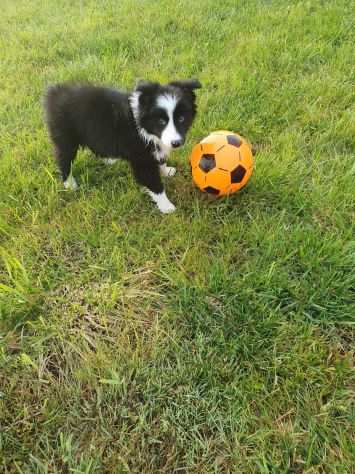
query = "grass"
{"x": 218, "y": 339}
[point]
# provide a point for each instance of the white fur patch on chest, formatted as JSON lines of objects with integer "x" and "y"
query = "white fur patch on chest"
{"x": 162, "y": 153}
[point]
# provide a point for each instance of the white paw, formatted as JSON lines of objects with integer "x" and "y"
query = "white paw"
{"x": 171, "y": 171}
{"x": 162, "y": 201}
{"x": 70, "y": 183}
{"x": 167, "y": 208}
{"x": 109, "y": 161}
{"x": 167, "y": 171}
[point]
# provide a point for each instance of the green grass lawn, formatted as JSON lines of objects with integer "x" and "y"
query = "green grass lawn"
{"x": 218, "y": 339}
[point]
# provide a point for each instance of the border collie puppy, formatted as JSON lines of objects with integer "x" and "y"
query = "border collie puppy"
{"x": 141, "y": 127}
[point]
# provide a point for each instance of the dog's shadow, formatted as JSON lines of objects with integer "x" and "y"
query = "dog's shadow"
{"x": 93, "y": 172}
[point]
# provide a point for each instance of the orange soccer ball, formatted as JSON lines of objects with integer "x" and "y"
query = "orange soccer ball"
{"x": 222, "y": 163}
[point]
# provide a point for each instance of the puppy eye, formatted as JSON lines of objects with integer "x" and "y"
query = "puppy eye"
{"x": 162, "y": 121}
{"x": 181, "y": 119}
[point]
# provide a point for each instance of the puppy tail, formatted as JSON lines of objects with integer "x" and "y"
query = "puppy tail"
{"x": 55, "y": 99}
{"x": 52, "y": 94}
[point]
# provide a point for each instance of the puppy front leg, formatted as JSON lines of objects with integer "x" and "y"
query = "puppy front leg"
{"x": 162, "y": 201}
{"x": 148, "y": 175}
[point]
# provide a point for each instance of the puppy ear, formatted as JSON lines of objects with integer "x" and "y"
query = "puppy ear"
{"x": 146, "y": 86}
{"x": 187, "y": 84}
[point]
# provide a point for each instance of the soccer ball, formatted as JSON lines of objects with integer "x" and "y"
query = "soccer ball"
{"x": 222, "y": 163}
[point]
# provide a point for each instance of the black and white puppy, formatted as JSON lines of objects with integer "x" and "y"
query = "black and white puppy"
{"x": 141, "y": 127}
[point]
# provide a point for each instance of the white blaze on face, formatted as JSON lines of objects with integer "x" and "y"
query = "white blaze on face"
{"x": 170, "y": 134}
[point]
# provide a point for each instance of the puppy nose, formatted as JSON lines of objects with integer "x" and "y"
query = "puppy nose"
{"x": 176, "y": 143}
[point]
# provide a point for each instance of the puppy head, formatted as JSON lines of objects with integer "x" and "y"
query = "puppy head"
{"x": 164, "y": 113}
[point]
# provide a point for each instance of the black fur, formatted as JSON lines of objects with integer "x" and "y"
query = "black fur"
{"x": 101, "y": 119}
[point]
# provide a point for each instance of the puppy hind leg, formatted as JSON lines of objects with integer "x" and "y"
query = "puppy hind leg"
{"x": 65, "y": 158}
